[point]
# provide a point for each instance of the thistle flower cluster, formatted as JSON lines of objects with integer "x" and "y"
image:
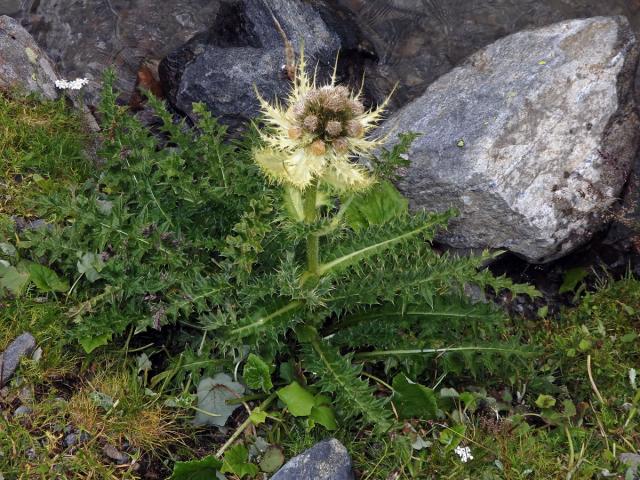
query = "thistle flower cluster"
{"x": 316, "y": 135}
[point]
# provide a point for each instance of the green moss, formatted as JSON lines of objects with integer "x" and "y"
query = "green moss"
{"x": 42, "y": 148}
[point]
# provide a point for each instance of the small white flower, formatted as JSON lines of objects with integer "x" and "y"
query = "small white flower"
{"x": 76, "y": 84}
{"x": 464, "y": 453}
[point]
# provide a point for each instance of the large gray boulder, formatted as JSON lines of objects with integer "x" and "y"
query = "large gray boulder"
{"x": 531, "y": 138}
{"x": 244, "y": 50}
{"x": 24, "y": 67}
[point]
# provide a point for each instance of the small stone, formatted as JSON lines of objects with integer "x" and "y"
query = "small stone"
{"x": 22, "y": 411}
{"x": 631, "y": 460}
{"x": 70, "y": 440}
{"x": 10, "y": 358}
{"x": 327, "y": 460}
{"x": 84, "y": 437}
{"x": 114, "y": 454}
{"x": 37, "y": 355}
{"x": 26, "y": 394}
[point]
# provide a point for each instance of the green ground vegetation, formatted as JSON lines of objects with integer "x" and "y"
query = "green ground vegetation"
{"x": 126, "y": 344}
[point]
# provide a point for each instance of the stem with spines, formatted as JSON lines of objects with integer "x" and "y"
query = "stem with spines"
{"x": 313, "y": 241}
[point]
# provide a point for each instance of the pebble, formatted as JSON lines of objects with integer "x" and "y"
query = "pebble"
{"x": 10, "y": 359}
{"x": 114, "y": 454}
{"x": 22, "y": 410}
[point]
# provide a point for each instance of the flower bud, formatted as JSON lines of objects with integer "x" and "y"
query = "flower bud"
{"x": 336, "y": 98}
{"x": 295, "y": 133}
{"x": 340, "y": 145}
{"x": 310, "y": 123}
{"x": 318, "y": 148}
{"x": 356, "y": 107}
{"x": 297, "y": 110}
{"x": 333, "y": 128}
{"x": 354, "y": 128}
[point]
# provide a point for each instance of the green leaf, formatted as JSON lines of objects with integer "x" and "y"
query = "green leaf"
{"x": 545, "y": 401}
{"x": 469, "y": 400}
{"x": 380, "y": 205}
{"x": 335, "y": 373}
{"x": 213, "y": 394}
{"x": 451, "y": 437}
{"x": 258, "y": 416}
{"x": 102, "y": 400}
{"x": 236, "y": 461}
{"x": 46, "y": 279}
{"x": 325, "y": 416}
{"x": 256, "y": 374}
{"x": 262, "y": 318}
{"x": 413, "y": 400}
{"x": 13, "y": 279}
{"x": 90, "y": 265}
{"x": 7, "y": 249}
{"x": 569, "y": 408}
{"x": 205, "y": 469}
{"x": 572, "y": 278}
{"x": 272, "y": 459}
{"x": 417, "y": 226}
{"x": 293, "y": 205}
{"x": 584, "y": 345}
{"x": 629, "y": 337}
{"x": 299, "y": 401}
{"x": 89, "y": 344}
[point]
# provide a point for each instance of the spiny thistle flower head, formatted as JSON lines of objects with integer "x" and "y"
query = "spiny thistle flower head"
{"x": 316, "y": 135}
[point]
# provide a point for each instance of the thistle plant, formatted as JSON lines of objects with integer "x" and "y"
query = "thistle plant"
{"x": 326, "y": 272}
{"x": 369, "y": 273}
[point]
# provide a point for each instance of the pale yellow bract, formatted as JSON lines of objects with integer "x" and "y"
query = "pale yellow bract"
{"x": 316, "y": 134}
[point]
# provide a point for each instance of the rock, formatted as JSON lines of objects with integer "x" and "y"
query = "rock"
{"x": 23, "y": 65}
{"x": 10, "y": 358}
{"x": 86, "y": 37}
{"x": 70, "y": 440}
{"x": 114, "y": 454}
{"x": 533, "y": 148}
{"x": 22, "y": 411}
{"x": 631, "y": 460}
{"x": 10, "y": 7}
{"x": 327, "y": 460}
{"x": 244, "y": 49}
{"x": 417, "y": 41}
{"x": 26, "y": 394}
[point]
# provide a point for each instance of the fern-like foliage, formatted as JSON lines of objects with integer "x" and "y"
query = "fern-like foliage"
{"x": 338, "y": 375}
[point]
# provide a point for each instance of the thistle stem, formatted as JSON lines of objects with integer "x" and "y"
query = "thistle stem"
{"x": 313, "y": 242}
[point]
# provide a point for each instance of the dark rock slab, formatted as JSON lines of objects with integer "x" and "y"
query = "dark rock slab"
{"x": 10, "y": 358}
{"x": 10, "y": 7}
{"x": 24, "y": 66}
{"x": 83, "y": 38}
{"x": 327, "y": 460}
{"x": 417, "y": 41}
{"x": 531, "y": 139}
{"x": 242, "y": 50}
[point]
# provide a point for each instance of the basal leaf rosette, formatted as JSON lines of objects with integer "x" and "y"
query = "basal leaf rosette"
{"x": 317, "y": 134}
